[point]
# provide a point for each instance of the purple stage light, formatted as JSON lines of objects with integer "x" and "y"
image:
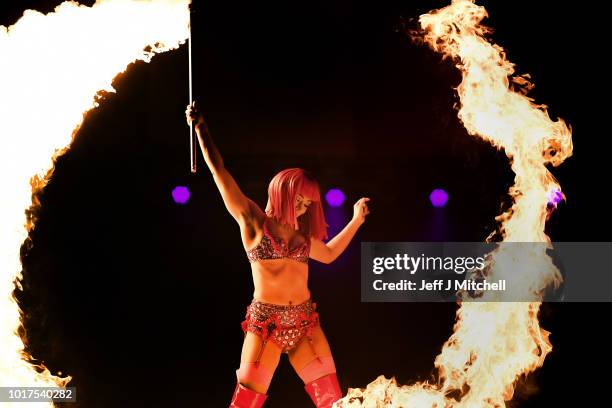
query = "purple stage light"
{"x": 180, "y": 194}
{"x": 334, "y": 197}
{"x": 438, "y": 198}
{"x": 555, "y": 196}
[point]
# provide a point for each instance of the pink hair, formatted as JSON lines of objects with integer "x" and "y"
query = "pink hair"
{"x": 281, "y": 202}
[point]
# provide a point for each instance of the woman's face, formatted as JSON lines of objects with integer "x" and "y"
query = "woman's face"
{"x": 301, "y": 204}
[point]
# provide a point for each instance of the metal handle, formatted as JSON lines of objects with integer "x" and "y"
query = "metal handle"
{"x": 192, "y": 135}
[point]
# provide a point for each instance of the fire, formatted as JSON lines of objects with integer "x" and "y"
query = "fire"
{"x": 52, "y": 68}
{"x": 493, "y": 343}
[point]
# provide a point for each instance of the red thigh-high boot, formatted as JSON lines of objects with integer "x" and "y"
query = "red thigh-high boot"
{"x": 324, "y": 391}
{"x": 246, "y": 398}
{"x": 321, "y": 382}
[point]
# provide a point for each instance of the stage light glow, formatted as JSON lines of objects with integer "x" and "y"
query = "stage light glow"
{"x": 438, "y": 198}
{"x": 555, "y": 196}
{"x": 335, "y": 197}
{"x": 181, "y": 194}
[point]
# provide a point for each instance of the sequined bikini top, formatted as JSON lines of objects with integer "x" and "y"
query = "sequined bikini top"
{"x": 271, "y": 248}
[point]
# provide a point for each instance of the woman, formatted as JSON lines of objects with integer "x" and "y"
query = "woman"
{"x": 278, "y": 242}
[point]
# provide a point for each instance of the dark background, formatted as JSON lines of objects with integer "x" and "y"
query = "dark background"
{"x": 132, "y": 294}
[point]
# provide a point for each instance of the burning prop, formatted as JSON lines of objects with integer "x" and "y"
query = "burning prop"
{"x": 493, "y": 343}
{"x": 52, "y": 68}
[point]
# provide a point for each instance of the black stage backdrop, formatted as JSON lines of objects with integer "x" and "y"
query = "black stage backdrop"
{"x": 140, "y": 299}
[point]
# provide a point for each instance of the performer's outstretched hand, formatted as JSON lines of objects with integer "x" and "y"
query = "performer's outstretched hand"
{"x": 360, "y": 210}
{"x": 194, "y": 115}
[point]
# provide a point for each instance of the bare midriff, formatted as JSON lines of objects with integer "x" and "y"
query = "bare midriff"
{"x": 280, "y": 281}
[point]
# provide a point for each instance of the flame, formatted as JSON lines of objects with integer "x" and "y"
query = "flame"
{"x": 493, "y": 343}
{"x": 52, "y": 68}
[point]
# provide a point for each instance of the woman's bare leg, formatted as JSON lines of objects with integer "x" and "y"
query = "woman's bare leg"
{"x": 268, "y": 362}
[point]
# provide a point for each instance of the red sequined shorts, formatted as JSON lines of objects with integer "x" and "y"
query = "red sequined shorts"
{"x": 284, "y": 325}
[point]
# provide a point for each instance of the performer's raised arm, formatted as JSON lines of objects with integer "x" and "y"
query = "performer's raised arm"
{"x": 328, "y": 252}
{"x": 238, "y": 205}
